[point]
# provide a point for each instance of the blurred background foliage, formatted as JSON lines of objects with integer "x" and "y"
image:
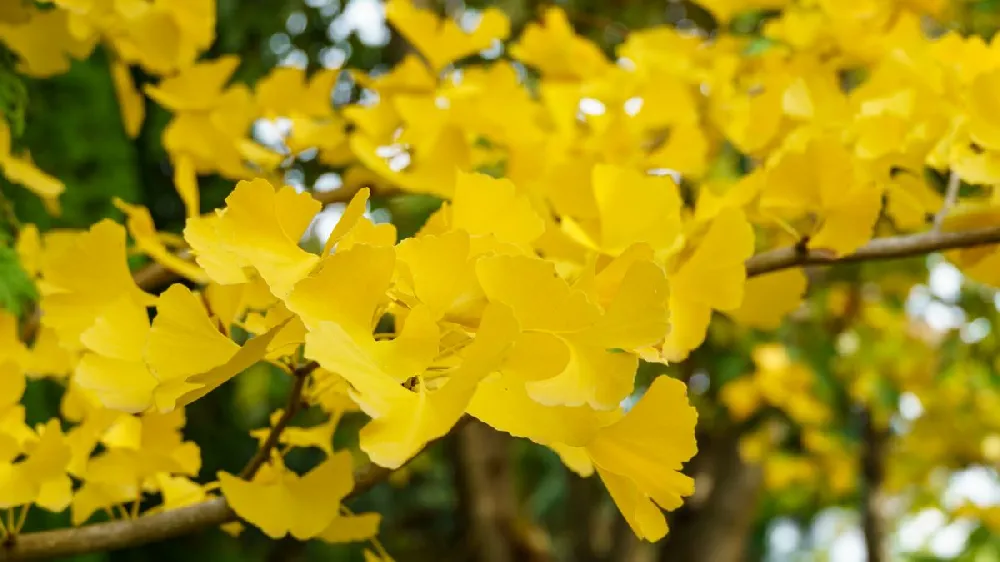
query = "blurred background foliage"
{"x": 71, "y": 125}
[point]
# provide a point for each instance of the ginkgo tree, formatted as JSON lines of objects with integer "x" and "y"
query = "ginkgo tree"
{"x": 599, "y": 213}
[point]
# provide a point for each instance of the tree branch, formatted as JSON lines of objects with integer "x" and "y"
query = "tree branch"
{"x": 115, "y": 535}
{"x": 887, "y": 248}
{"x": 291, "y": 408}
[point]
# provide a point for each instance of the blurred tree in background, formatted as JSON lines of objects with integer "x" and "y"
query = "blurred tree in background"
{"x": 843, "y": 410}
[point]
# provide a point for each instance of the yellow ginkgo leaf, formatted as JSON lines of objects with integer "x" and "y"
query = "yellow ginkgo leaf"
{"x": 351, "y": 528}
{"x": 597, "y": 374}
{"x": 910, "y": 201}
{"x": 483, "y": 205}
{"x": 179, "y": 491}
{"x": 131, "y": 366}
{"x": 505, "y": 406}
{"x": 354, "y": 211}
{"x": 21, "y": 170}
{"x": 12, "y": 349}
{"x": 140, "y": 226}
{"x": 264, "y": 226}
{"x": 285, "y": 92}
{"x": 12, "y": 383}
{"x": 432, "y": 170}
{"x": 261, "y": 227}
{"x": 347, "y": 288}
{"x": 186, "y": 184}
{"x": 538, "y": 297}
{"x": 47, "y": 357}
{"x": 183, "y": 340}
{"x": 632, "y": 208}
{"x": 220, "y": 264}
{"x": 439, "y": 272}
{"x": 640, "y": 456}
{"x": 598, "y": 371}
{"x": 408, "y": 76}
{"x": 175, "y": 393}
{"x": 44, "y": 44}
{"x": 635, "y": 316}
{"x": 557, "y": 51}
{"x": 85, "y": 277}
{"x": 113, "y": 370}
{"x": 442, "y": 41}
{"x": 130, "y": 101}
{"x": 836, "y": 189}
{"x": 536, "y": 356}
{"x": 288, "y": 338}
{"x": 404, "y": 420}
{"x": 713, "y": 277}
{"x": 983, "y": 263}
{"x": 280, "y": 502}
{"x": 769, "y": 298}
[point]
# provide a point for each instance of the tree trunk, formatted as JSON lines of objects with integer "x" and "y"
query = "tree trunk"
{"x": 484, "y": 457}
{"x": 873, "y": 472}
{"x": 716, "y": 522}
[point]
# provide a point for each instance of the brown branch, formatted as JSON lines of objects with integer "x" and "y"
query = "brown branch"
{"x": 291, "y": 408}
{"x": 116, "y": 535}
{"x": 888, "y": 248}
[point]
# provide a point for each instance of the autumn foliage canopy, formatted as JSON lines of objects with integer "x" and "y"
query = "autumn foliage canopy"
{"x": 596, "y": 212}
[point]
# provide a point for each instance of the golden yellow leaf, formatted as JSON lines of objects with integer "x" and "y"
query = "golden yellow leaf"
{"x": 443, "y": 41}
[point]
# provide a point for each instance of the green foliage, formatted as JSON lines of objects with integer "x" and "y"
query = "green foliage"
{"x": 13, "y": 94}
{"x": 75, "y": 134}
{"x": 17, "y": 290}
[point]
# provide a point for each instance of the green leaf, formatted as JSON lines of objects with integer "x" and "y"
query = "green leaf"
{"x": 17, "y": 290}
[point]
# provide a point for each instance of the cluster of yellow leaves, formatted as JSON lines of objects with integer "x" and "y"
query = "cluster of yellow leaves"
{"x": 106, "y": 461}
{"x": 826, "y": 462}
{"x": 526, "y": 302}
{"x": 158, "y": 35}
{"x": 478, "y": 324}
{"x": 162, "y": 37}
{"x": 128, "y": 379}
{"x": 779, "y": 382}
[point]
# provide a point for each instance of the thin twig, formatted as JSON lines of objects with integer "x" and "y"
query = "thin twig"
{"x": 950, "y": 198}
{"x": 887, "y": 248}
{"x": 291, "y": 408}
